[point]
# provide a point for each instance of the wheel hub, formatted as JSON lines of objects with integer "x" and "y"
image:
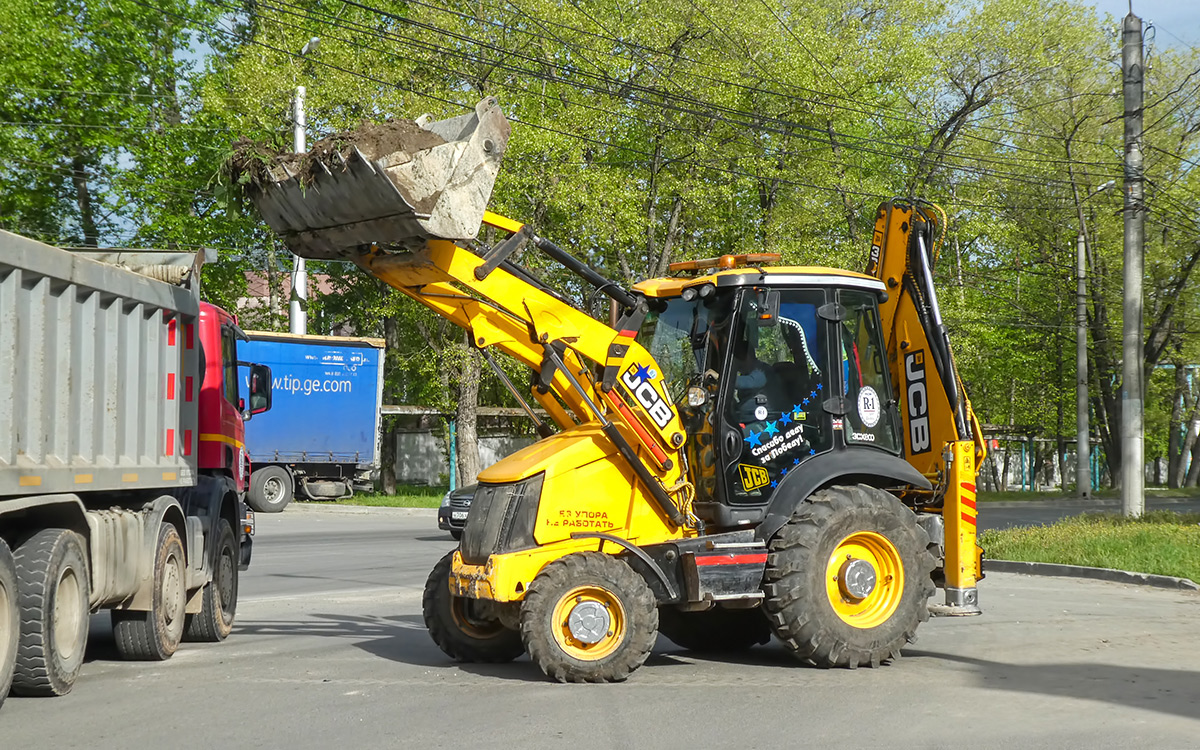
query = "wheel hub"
{"x": 856, "y": 579}
{"x": 589, "y": 622}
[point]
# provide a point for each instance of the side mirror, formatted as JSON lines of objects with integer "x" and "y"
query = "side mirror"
{"x": 765, "y": 308}
{"x": 260, "y": 389}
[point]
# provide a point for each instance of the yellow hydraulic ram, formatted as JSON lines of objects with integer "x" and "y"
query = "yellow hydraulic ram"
{"x": 942, "y": 438}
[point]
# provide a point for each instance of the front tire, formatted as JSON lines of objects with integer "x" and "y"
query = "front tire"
{"x": 715, "y": 630}
{"x": 214, "y": 622}
{"x": 156, "y": 634}
{"x": 589, "y": 617}
{"x": 271, "y": 489}
{"x": 10, "y": 619}
{"x": 53, "y": 593}
{"x": 848, "y": 578}
{"x": 460, "y": 627}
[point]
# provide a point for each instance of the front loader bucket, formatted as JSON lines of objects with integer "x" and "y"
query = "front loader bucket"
{"x": 398, "y": 183}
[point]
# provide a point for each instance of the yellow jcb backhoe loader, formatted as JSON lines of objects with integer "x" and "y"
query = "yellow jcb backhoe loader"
{"x": 750, "y": 450}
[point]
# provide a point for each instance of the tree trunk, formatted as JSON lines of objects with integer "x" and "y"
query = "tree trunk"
{"x": 387, "y": 462}
{"x": 83, "y": 199}
{"x": 1193, "y": 472}
{"x": 466, "y": 417}
{"x": 1174, "y": 438}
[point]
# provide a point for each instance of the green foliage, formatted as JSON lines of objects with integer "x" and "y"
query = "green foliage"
{"x": 644, "y": 134}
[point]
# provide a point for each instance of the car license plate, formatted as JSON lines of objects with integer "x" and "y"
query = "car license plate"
{"x": 458, "y": 515}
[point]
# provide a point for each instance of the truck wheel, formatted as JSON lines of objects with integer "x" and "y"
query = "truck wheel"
{"x": 214, "y": 621}
{"x": 588, "y": 617}
{"x": 848, "y": 578}
{"x": 715, "y": 630}
{"x": 271, "y": 489}
{"x": 154, "y": 635}
{"x": 53, "y": 591}
{"x": 458, "y": 626}
{"x": 10, "y": 619}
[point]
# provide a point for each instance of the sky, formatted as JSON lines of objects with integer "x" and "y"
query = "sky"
{"x": 1177, "y": 21}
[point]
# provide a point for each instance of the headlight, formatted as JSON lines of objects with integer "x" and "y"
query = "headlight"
{"x": 445, "y": 499}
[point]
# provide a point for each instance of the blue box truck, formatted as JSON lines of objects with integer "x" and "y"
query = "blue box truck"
{"x": 321, "y": 436}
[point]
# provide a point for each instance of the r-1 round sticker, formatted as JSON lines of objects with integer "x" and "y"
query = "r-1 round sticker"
{"x": 760, "y": 413}
{"x": 868, "y": 406}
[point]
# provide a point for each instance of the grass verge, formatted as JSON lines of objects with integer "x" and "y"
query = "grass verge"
{"x": 989, "y": 496}
{"x": 1160, "y": 542}
{"x": 407, "y": 496}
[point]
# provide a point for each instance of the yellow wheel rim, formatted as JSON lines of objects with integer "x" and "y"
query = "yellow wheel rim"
{"x": 865, "y": 579}
{"x": 595, "y": 603}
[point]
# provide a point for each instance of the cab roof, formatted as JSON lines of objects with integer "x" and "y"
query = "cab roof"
{"x": 673, "y": 286}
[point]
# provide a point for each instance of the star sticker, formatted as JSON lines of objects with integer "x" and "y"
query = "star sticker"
{"x": 813, "y": 394}
{"x": 753, "y": 438}
{"x": 795, "y": 462}
{"x": 642, "y": 372}
{"x": 783, "y": 473}
{"x": 803, "y": 403}
{"x": 785, "y": 419}
{"x": 820, "y": 386}
{"x": 774, "y": 485}
{"x": 812, "y": 452}
{"x": 771, "y": 428}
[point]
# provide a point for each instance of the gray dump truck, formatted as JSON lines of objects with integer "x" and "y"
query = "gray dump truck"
{"x": 122, "y": 459}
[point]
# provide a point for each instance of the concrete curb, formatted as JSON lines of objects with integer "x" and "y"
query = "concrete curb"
{"x": 359, "y": 510}
{"x": 1080, "y": 571}
{"x": 1101, "y": 504}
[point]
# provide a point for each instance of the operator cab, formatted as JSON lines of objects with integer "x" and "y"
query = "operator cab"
{"x": 770, "y": 369}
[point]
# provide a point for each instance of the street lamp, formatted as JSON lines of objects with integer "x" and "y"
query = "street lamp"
{"x": 297, "y": 314}
{"x": 1083, "y": 468}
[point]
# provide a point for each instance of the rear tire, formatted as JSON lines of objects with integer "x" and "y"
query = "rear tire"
{"x": 458, "y": 626}
{"x": 715, "y": 630}
{"x": 155, "y": 635}
{"x": 586, "y": 596}
{"x": 10, "y": 619}
{"x": 219, "y": 599}
{"x": 815, "y": 574}
{"x": 271, "y": 489}
{"x": 53, "y": 593}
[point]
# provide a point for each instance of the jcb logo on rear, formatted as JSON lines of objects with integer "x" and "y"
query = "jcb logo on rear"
{"x": 919, "y": 440}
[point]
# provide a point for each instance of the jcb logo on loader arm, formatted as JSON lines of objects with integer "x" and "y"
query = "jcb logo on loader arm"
{"x": 637, "y": 379}
{"x": 918, "y": 403}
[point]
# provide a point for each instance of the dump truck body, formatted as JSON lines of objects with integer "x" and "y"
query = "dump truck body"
{"x": 122, "y": 456}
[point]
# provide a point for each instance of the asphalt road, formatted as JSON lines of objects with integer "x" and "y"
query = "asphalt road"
{"x": 1006, "y": 514}
{"x": 330, "y": 652}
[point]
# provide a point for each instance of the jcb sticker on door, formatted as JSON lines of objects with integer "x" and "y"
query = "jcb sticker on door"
{"x": 753, "y": 477}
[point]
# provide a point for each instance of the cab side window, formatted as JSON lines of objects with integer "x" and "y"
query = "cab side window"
{"x": 229, "y": 365}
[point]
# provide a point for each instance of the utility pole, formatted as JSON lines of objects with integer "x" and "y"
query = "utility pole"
{"x": 1083, "y": 467}
{"x": 297, "y": 314}
{"x": 1132, "y": 463}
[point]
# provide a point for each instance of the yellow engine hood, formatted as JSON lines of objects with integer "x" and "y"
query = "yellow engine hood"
{"x": 569, "y": 449}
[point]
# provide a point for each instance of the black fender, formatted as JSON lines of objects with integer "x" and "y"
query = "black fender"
{"x": 850, "y": 465}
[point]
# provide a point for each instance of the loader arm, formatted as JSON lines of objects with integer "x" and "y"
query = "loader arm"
{"x": 405, "y": 207}
{"x": 941, "y": 435}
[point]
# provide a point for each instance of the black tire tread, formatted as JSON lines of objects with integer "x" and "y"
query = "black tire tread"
{"x": 33, "y": 674}
{"x": 554, "y": 581}
{"x": 137, "y": 633}
{"x": 258, "y": 478}
{"x": 504, "y": 646}
{"x": 797, "y": 612}
{"x": 204, "y": 626}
